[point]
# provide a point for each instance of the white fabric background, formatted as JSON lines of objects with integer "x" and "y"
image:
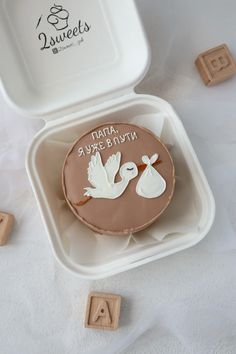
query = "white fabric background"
{"x": 185, "y": 303}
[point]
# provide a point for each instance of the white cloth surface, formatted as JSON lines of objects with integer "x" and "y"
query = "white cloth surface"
{"x": 185, "y": 303}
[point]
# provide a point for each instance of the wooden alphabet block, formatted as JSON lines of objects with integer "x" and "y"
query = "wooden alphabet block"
{"x": 216, "y": 65}
{"x": 6, "y": 223}
{"x": 103, "y": 311}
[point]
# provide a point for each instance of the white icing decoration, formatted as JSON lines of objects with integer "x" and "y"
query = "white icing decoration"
{"x": 151, "y": 184}
{"x": 102, "y": 178}
{"x": 102, "y": 133}
{"x": 96, "y": 147}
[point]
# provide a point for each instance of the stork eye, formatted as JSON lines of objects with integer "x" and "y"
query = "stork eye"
{"x": 130, "y": 169}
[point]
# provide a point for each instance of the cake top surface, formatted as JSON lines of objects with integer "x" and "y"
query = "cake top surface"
{"x": 118, "y": 178}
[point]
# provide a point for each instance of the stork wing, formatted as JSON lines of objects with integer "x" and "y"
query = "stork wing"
{"x": 112, "y": 166}
{"x": 97, "y": 175}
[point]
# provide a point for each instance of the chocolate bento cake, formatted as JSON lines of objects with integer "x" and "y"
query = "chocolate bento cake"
{"x": 118, "y": 178}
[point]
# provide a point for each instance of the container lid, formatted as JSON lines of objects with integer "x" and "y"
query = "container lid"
{"x": 57, "y": 57}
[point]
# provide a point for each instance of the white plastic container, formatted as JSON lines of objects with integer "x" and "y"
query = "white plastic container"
{"x": 95, "y": 53}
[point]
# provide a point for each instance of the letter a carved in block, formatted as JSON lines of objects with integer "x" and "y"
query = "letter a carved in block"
{"x": 103, "y": 311}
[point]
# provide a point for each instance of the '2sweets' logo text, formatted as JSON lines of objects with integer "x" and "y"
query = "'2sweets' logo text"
{"x": 59, "y": 19}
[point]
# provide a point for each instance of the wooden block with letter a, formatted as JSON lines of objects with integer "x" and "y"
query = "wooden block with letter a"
{"x": 103, "y": 311}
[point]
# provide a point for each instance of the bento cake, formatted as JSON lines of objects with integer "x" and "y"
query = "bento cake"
{"x": 118, "y": 178}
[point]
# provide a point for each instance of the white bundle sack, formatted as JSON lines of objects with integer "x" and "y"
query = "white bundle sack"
{"x": 151, "y": 183}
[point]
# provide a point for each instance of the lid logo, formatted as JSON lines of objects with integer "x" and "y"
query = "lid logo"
{"x": 58, "y": 17}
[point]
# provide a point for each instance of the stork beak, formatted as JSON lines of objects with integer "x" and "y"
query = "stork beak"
{"x": 141, "y": 167}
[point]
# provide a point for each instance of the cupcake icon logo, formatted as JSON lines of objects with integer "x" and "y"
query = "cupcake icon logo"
{"x": 67, "y": 34}
{"x": 58, "y": 17}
